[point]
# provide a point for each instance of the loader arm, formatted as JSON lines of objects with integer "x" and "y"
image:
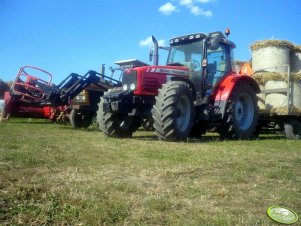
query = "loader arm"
{"x": 74, "y": 84}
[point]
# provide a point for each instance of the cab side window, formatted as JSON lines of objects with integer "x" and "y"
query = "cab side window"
{"x": 217, "y": 65}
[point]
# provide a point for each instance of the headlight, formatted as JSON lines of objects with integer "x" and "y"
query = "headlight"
{"x": 80, "y": 98}
{"x": 125, "y": 87}
{"x": 132, "y": 86}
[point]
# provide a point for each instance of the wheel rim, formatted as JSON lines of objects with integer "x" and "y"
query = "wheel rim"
{"x": 244, "y": 111}
{"x": 125, "y": 122}
{"x": 183, "y": 113}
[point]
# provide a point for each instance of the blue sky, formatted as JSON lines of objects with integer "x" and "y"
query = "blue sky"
{"x": 64, "y": 36}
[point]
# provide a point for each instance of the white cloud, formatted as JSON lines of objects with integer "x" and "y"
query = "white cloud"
{"x": 167, "y": 9}
{"x": 207, "y": 13}
{"x": 205, "y": 1}
{"x": 148, "y": 42}
{"x": 192, "y": 5}
{"x": 197, "y": 11}
{"x": 186, "y": 2}
{"x": 161, "y": 42}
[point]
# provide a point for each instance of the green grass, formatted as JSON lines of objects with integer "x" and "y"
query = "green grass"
{"x": 53, "y": 175}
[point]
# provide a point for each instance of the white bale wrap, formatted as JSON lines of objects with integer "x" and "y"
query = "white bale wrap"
{"x": 297, "y": 95}
{"x": 271, "y": 60}
{"x": 271, "y": 55}
{"x": 278, "y": 102}
{"x": 275, "y": 100}
{"x": 261, "y": 98}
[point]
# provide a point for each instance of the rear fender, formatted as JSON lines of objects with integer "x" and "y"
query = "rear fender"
{"x": 222, "y": 92}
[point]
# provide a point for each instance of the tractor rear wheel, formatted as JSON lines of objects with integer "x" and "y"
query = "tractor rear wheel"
{"x": 80, "y": 119}
{"x": 292, "y": 129}
{"x": 116, "y": 125}
{"x": 173, "y": 112}
{"x": 241, "y": 113}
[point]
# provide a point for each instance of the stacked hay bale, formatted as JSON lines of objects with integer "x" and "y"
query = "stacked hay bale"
{"x": 271, "y": 60}
{"x": 296, "y": 77}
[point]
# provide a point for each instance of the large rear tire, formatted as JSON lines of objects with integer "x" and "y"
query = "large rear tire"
{"x": 173, "y": 112}
{"x": 292, "y": 129}
{"x": 241, "y": 113}
{"x": 114, "y": 124}
{"x": 80, "y": 119}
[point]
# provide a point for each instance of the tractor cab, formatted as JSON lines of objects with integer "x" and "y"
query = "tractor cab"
{"x": 208, "y": 58}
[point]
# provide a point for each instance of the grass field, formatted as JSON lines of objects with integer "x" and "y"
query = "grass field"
{"x": 53, "y": 175}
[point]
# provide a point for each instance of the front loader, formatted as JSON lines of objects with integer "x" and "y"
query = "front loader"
{"x": 33, "y": 94}
{"x": 197, "y": 90}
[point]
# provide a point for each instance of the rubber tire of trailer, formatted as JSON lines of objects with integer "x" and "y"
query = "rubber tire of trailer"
{"x": 292, "y": 129}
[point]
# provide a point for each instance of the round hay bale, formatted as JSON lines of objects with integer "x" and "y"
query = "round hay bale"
{"x": 274, "y": 101}
{"x": 296, "y": 90}
{"x": 296, "y": 59}
{"x": 271, "y": 43}
{"x": 261, "y": 99}
{"x": 262, "y": 77}
{"x": 277, "y": 102}
{"x": 296, "y": 76}
{"x": 271, "y": 55}
{"x": 297, "y": 49}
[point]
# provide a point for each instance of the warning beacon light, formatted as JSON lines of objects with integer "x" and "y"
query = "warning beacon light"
{"x": 227, "y": 32}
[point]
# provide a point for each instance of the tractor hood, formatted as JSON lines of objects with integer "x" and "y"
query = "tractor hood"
{"x": 167, "y": 70}
{"x": 148, "y": 79}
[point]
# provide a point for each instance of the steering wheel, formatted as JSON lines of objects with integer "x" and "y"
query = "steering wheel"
{"x": 195, "y": 64}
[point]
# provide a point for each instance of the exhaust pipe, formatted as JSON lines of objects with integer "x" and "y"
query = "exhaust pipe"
{"x": 156, "y": 51}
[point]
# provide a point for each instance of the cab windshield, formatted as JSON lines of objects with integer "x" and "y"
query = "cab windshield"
{"x": 187, "y": 54}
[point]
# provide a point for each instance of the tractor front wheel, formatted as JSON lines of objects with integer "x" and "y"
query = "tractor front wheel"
{"x": 173, "y": 111}
{"x": 241, "y": 113}
{"x": 114, "y": 124}
{"x": 80, "y": 119}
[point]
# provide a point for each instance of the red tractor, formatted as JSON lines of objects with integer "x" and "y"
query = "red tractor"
{"x": 197, "y": 90}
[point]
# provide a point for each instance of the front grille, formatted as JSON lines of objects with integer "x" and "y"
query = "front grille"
{"x": 129, "y": 77}
{"x": 150, "y": 84}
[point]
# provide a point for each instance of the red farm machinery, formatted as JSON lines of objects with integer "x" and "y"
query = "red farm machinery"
{"x": 33, "y": 95}
{"x": 196, "y": 91}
